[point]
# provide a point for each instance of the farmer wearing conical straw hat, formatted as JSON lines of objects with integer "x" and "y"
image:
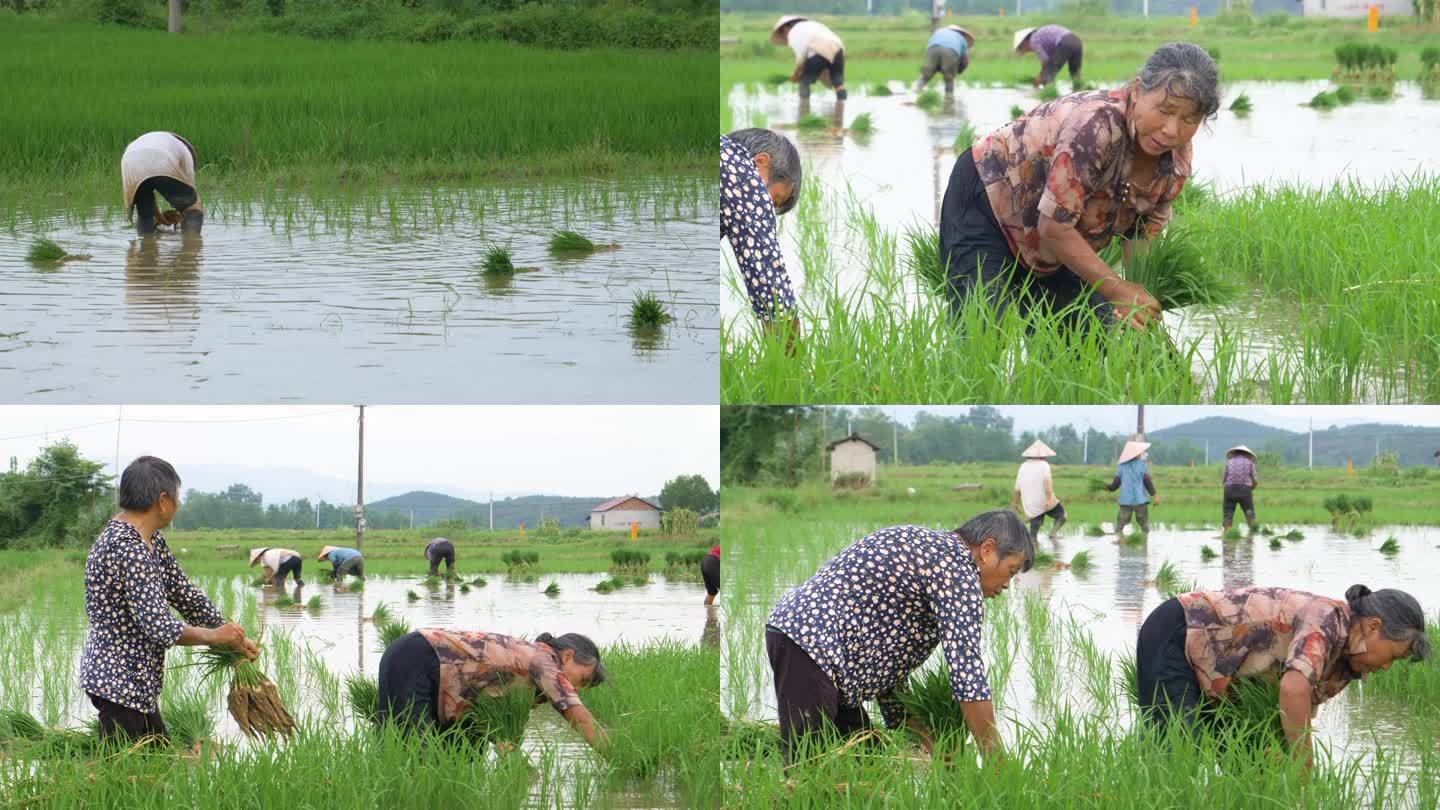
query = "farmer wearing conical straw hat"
{"x": 1056, "y": 46}
{"x": 343, "y": 561}
{"x": 1239, "y": 481}
{"x": 819, "y": 54}
{"x": 132, "y": 581}
{"x": 1029, "y": 206}
{"x": 1132, "y": 478}
{"x": 947, "y": 53}
{"x": 276, "y": 563}
{"x": 1034, "y": 494}
{"x": 160, "y": 163}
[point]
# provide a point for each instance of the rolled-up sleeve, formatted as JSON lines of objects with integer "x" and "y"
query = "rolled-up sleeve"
{"x": 1317, "y": 632}
{"x": 747, "y": 221}
{"x": 182, "y": 594}
{"x": 1083, "y": 147}
{"x": 143, "y": 586}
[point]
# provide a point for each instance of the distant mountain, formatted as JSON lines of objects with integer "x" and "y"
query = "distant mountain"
{"x": 1333, "y": 446}
{"x": 429, "y": 507}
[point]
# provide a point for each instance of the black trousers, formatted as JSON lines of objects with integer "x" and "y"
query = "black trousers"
{"x": 178, "y": 194}
{"x": 1167, "y": 686}
{"x": 817, "y": 64}
{"x": 1056, "y": 513}
{"x": 1069, "y": 51}
{"x": 977, "y": 259}
{"x": 710, "y": 572}
{"x": 1241, "y": 496}
{"x": 289, "y": 565}
{"x": 125, "y": 725}
{"x": 808, "y": 701}
{"x": 441, "y": 551}
{"x": 409, "y": 685}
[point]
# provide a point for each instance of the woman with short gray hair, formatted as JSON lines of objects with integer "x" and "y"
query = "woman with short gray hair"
{"x": 1029, "y": 206}
{"x": 1192, "y": 649}
{"x": 760, "y": 178}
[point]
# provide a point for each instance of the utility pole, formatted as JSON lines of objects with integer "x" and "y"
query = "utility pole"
{"x": 1140, "y": 423}
{"x": 492, "y": 510}
{"x": 1312, "y": 443}
{"x": 1207, "y": 452}
{"x": 895, "y": 440}
{"x": 317, "y": 511}
{"x": 360, "y": 489}
{"x": 174, "y": 26}
{"x": 824, "y": 435}
{"x": 1085, "y": 454}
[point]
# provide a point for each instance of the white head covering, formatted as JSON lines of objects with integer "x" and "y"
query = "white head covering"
{"x": 1132, "y": 450}
{"x": 1240, "y": 448}
{"x": 1021, "y": 36}
{"x": 1038, "y": 450}
{"x": 255, "y": 554}
{"x": 781, "y": 23}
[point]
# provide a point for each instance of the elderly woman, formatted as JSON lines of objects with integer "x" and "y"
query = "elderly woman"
{"x": 343, "y": 561}
{"x": 277, "y": 563}
{"x": 131, "y": 583}
{"x": 759, "y": 179}
{"x": 1030, "y": 204}
{"x": 163, "y": 163}
{"x": 1239, "y": 481}
{"x": 831, "y": 651}
{"x": 819, "y": 53}
{"x": 430, "y": 678}
{"x": 1055, "y": 46}
{"x": 437, "y": 550}
{"x": 1193, "y": 647}
{"x": 948, "y": 53}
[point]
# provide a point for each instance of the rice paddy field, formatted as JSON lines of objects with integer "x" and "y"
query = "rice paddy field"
{"x": 1312, "y": 247}
{"x": 1059, "y": 645}
{"x": 320, "y": 644}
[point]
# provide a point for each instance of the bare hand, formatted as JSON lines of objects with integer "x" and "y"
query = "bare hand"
{"x": 169, "y": 218}
{"x": 1133, "y": 304}
{"x": 231, "y": 636}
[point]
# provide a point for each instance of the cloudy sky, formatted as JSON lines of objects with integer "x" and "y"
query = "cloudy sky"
{"x": 308, "y": 451}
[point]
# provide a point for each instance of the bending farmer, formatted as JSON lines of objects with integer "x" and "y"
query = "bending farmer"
{"x": 947, "y": 53}
{"x": 275, "y": 563}
{"x": 759, "y": 180}
{"x": 856, "y": 629}
{"x": 131, "y": 583}
{"x": 1239, "y": 481}
{"x": 1132, "y": 478}
{"x": 1194, "y": 647}
{"x": 1029, "y": 206}
{"x": 1035, "y": 491}
{"x": 343, "y": 561}
{"x": 819, "y": 54}
{"x": 710, "y": 572}
{"x": 163, "y": 163}
{"x": 431, "y": 678}
{"x": 1056, "y": 46}
{"x": 437, "y": 550}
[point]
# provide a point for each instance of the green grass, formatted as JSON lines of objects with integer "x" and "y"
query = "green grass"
{"x": 496, "y": 262}
{"x": 289, "y": 110}
{"x": 863, "y": 124}
{"x": 647, "y": 312}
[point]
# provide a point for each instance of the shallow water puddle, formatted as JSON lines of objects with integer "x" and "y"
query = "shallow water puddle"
{"x": 362, "y": 300}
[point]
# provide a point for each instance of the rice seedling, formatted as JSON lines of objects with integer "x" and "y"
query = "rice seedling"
{"x": 930, "y": 700}
{"x": 381, "y": 614}
{"x": 1167, "y": 578}
{"x": 647, "y": 312}
{"x": 479, "y": 582}
{"x": 1049, "y": 92}
{"x": 965, "y": 138}
{"x": 362, "y": 695}
{"x": 1275, "y": 544}
{"x": 253, "y": 700}
{"x": 1241, "y": 106}
{"x": 355, "y": 586}
{"x": 881, "y": 89}
{"x": 390, "y": 631}
{"x": 1380, "y": 92}
{"x": 862, "y": 125}
{"x": 777, "y": 79}
{"x": 1266, "y": 531}
{"x": 812, "y": 123}
{"x": 1324, "y": 100}
{"x": 928, "y": 100}
{"x": 496, "y": 262}
{"x": 46, "y": 252}
{"x": 553, "y": 589}
{"x": 187, "y": 716}
{"x": 1081, "y": 562}
{"x": 412, "y": 597}
{"x": 1043, "y": 559}
{"x": 1294, "y": 535}
{"x": 609, "y": 585}
{"x": 496, "y": 719}
{"x": 629, "y": 561}
{"x": 1175, "y": 271}
{"x": 1345, "y": 94}
{"x": 1207, "y": 554}
{"x": 1016, "y": 111}
{"x": 1416, "y": 682}
{"x": 431, "y": 582}
{"x": 315, "y": 604}
{"x": 1232, "y": 534}
{"x": 566, "y": 241}
{"x": 1430, "y": 59}
{"x": 464, "y": 587}
{"x": 1135, "y": 537}
{"x": 284, "y": 601}
{"x": 1390, "y": 547}
{"x": 1094, "y": 530}
{"x": 519, "y": 562}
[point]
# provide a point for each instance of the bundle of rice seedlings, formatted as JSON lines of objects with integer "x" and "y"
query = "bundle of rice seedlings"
{"x": 553, "y": 589}
{"x": 965, "y": 138}
{"x": 1214, "y": 53}
{"x": 284, "y": 601}
{"x": 1128, "y": 681}
{"x": 639, "y": 580}
{"x": 315, "y": 604}
{"x": 363, "y": 695}
{"x": 881, "y": 89}
{"x": 187, "y": 716}
{"x": 1294, "y": 534}
{"x": 46, "y": 252}
{"x": 923, "y": 256}
{"x": 629, "y": 560}
{"x": 776, "y": 79}
{"x": 1174, "y": 270}
{"x": 1049, "y": 92}
{"x": 1081, "y": 562}
{"x": 1207, "y": 554}
{"x": 930, "y": 700}
{"x": 381, "y": 614}
{"x": 1043, "y": 559}
{"x": 1167, "y": 578}
{"x": 863, "y": 124}
{"x": 1232, "y": 533}
{"x": 431, "y": 582}
{"x": 391, "y": 630}
{"x": 928, "y": 100}
{"x": 411, "y": 596}
{"x": 1345, "y": 94}
{"x": 253, "y": 700}
{"x": 609, "y": 585}
{"x": 1016, "y": 111}
{"x": 18, "y": 725}
{"x": 647, "y": 312}
{"x": 565, "y": 241}
{"x": 1380, "y": 92}
{"x": 1241, "y": 105}
{"x": 1135, "y": 537}
{"x": 812, "y": 123}
{"x": 1391, "y": 546}
{"x": 479, "y": 582}
{"x": 496, "y": 262}
{"x": 1249, "y": 715}
{"x": 355, "y": 586}
{"x": 464, "y": 587}
{"x": 1266, "y": 531}
{"x": 1275, "y": 544}
{"x": 1094, "y": 530}
{"x": 496, "y": 718}
{"x": 1324, "y": 101}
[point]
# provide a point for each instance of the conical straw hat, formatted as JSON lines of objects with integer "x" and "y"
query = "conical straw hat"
{"x": 1132, "y": 450}
{"x": 326, "y": 550}
{"x": 1240, "y": 448}
{"x": 255, "y": 555}
{"x": 1021, "y": 36}
{"x": 781, "y": 23}
{"x": 969, "y": 37}
{"x": 1038, "y": 450}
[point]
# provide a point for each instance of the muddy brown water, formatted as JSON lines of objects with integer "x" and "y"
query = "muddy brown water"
{"x": 291, "y": 300}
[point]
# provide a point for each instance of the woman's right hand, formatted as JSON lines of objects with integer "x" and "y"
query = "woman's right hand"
{"x": 1133, "y": 303}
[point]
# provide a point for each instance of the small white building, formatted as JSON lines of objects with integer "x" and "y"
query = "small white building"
{"x": 852, "y": 454}
{"x": 1356, "y": 8}
{"x": 617, "y": 514}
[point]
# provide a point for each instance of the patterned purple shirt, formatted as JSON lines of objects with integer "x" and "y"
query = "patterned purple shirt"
{"x": 747, "y": 220}
{"x": 1239, "y": 471}
{"x": 1044, "y": 40}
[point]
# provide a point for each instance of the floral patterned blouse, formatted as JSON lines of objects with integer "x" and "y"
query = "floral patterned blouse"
{"x": 129, "y": 589}
{"x": 1266, "y": 631}
{"x": 474, "y": 663}
{"x": 1070, "y": 160}
{"x": 876, "y": 612}
{"x": 747, "y": 220}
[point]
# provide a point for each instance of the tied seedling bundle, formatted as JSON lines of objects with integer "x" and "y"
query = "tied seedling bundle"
{"x": 253, "y": 700}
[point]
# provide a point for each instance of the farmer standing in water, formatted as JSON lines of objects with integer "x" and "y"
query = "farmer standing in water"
{"x": 163, "y": 163}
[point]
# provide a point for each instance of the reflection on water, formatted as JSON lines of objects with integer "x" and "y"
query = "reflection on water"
{"x": 382, "y": 298}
